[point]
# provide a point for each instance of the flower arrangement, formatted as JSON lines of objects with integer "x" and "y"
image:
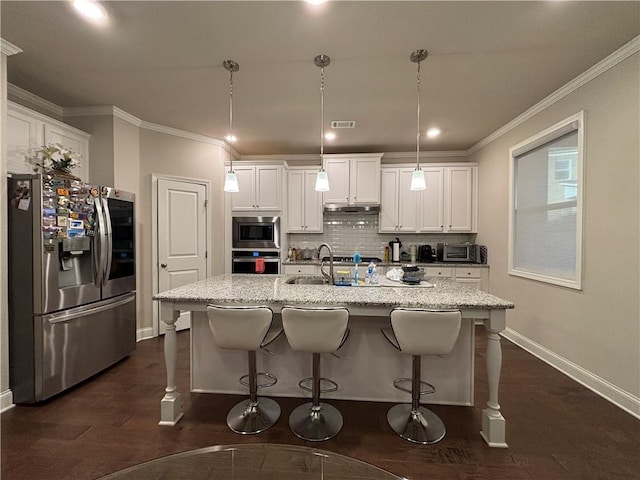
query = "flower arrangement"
{"x": 55, "y": 157}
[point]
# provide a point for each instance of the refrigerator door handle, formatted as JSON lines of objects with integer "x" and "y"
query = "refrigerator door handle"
{"x": 73, "y": 314}
{"x": 109, "y": 242}
{"x": 100, "y": 243}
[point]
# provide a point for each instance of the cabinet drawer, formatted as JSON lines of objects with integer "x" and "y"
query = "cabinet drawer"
{"x": 300, "y": 270}
{"x": 439, "y": 272}
{"x": 468, "y": 273}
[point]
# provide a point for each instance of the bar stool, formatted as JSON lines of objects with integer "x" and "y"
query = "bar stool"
{"x": 247, "y": 328}
{"x": 316, "y": 330}
{"x": 420, "y": 332}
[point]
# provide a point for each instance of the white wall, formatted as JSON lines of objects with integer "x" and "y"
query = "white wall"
{"x": 164, "y": 154}
{"x": 593, "y": 333}
{"x": 4, "y": 319}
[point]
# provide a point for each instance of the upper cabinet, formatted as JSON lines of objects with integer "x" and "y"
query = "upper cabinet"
{"x": 28, "y": 131}
{"x": 398, "y": 202}
{"x": 448, "y": 205}
{"x": 260, "y": 188}
{"x": 304, "y": 204}
{"x": 353, "y": 179}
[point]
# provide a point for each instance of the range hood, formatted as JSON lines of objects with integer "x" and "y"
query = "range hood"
{"x": 361, "y": 209}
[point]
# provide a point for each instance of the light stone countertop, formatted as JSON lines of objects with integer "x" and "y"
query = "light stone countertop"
{"x": 272, "y": 290}
{"x": 388, "y": 264}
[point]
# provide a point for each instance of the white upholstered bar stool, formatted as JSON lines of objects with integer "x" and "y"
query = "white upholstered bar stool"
{"x": 316, "y": 330}
{"x": 247, "y": 328}
{"x": 420, "y": 332}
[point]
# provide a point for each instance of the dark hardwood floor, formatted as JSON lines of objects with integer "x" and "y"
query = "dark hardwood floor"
{"x": 556, "y": 429}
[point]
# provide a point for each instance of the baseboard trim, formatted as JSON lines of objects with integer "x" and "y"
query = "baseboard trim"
{"x": 144, "y": 333}
{"x": 6, "y": 401}
{"x": 620, "y": 398}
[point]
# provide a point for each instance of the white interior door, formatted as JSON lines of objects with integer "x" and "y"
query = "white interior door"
{"x": 182, "y": 237}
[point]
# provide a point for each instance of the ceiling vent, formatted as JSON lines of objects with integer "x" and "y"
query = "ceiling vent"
{"x": 343, "y": 124}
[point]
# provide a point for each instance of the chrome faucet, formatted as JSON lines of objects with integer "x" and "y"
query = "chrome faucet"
{"x": 327, "y": 277}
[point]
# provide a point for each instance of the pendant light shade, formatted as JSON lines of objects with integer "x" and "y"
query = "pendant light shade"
{"x": 230, "y": 179}
{"x": 417, "y": 178}
{"x": 231, "y": 182}
{"x": 322, "y": 179}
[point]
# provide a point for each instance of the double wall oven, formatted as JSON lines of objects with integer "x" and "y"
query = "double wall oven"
{"x": 256, "y": 245}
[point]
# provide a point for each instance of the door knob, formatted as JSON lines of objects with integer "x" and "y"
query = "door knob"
{"x": 163, "y": 265}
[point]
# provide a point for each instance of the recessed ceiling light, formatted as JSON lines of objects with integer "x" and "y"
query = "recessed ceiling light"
{"x": 330, "y": 136}
{"x": 315, "y": 2}
{"x": 91, "y": 10}
{"x": 433, "y": 132}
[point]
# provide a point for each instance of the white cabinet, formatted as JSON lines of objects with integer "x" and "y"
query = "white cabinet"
{"x": 472, "y": 276}
{"x": 460, "y": 194}
{"x": 28, "y": 131}
{"x": 353, "y": 179}
{"x": 446, "y": 272}
{"x": 304, "y": 204}
{"x": 398, "y": 212}
{"x": 476, "y": 276}
{"x": 301, "y": 270}
{"x": 260, "y": 188}
{"x": 431, "y": 203}
{"x": 448, "y": 205}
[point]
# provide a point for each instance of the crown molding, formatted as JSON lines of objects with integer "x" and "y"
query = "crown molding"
{"x": 312, "y": 157}
{"x": 103, "y": 110}
{"x": 8, "y": 48}
{"x": 598, "y": 69}
{"x": 30, "y": 98}
{"x": 188, "y": 135}
{"x": 428, "y": 154}
{"x": 127, "y": 117}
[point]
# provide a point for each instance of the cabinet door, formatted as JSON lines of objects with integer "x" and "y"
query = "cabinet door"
{"x": 268, "y": 187}
{"x": 476, "y": 276}
{"x": 24, "y": 134}
{"x": 71, "y": 140}
{"x": 312, "y": 200}
{"x": 388, "y": 217}
{"x": 475, "y": 282}
{"x": 244, "y": 199}
{"x": 408, "y": 201}
{"x": 295, "y": 201}
{"x": 459, "y": 203}
{"x": 338, "y": 173}
{"x": 431, "y": 201}
{"x": 364, "y": 183}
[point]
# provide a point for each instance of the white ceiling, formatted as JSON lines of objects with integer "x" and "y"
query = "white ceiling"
{"x": 162, "y": 62}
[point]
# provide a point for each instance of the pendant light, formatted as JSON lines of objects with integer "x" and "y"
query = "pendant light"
{"x": 417, "y": 178}
{"x": 230, "y": 179}
{"x": 322, "y": 179}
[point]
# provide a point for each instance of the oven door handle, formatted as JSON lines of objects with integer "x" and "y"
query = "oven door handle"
{"x": 253, "y": 260}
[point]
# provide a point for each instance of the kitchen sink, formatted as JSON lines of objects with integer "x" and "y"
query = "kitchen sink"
{"x": 305, "y": 280}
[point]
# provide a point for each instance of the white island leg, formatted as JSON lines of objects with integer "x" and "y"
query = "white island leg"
{"x": 493, "y": 423}
{"x": 171, "y": 404}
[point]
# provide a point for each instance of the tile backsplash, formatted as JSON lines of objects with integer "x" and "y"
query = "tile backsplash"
{"x": 350, "y": 233}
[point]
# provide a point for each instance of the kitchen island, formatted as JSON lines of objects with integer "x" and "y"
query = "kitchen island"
{"x": 367, "y": 365}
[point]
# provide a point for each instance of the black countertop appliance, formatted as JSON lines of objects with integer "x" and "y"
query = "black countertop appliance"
{"x": 426, "y": 254}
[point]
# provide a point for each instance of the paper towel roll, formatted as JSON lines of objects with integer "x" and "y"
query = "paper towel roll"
{"x": 396, "y": 252}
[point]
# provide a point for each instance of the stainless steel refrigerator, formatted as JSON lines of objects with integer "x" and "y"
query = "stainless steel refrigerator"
{"x": 72, "y": 308}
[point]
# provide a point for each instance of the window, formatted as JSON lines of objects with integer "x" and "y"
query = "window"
{"x": 545, "y": 201}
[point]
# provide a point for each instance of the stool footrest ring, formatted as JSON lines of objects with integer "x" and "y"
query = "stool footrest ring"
{"x": 334, "y": 386}
{"x": 429, "y": 388}
{"x": 274, "y": 380}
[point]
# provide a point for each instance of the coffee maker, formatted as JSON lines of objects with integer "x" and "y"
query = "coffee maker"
{"x": 426, "y": 254}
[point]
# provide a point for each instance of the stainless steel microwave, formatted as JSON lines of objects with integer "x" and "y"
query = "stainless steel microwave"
{"x": 461, "y": 252}
{"x": 256, "y": 232}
